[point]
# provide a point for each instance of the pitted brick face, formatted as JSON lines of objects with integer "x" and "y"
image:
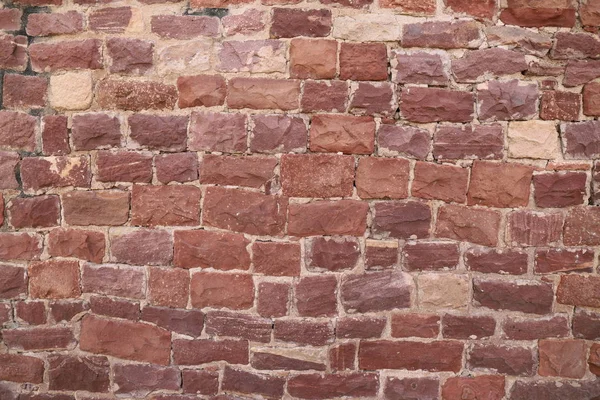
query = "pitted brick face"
{"x": 222, "y": 199}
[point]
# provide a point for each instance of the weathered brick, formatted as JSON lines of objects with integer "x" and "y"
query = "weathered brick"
{"x": 538, "y": 16}
{"x": 316, "y": 296}
{"x": 487, "y": 386}
{"x": 212, "y": 289}
{"x": 441, "y": 182}
{"x": 20, "y": 91}
{"x": 141, "y": 246}
{"x": 247, "y": 22}
{"x": 93, "y": 131}
{"x": 530, "y": 228}
{"x": 178, "y": 205}
{"x": 485, "y": 9}
{"x": 467, "y": 142}
{"x": 431, "y": 356}
{"x": 218, "y": 132}
{"x": 503, "y": 359}
{"x": 273, "y": 299}
{"x": 360, "y": 327}
{"x": 34, "y": 212}
{"x": 560, "y": 105}
{"x": 332, "y": 253}
{"x": 54, "y": 279}
{"x": 184, "y": 58}
{"x": 130, "y": 56}
{"x": 178, "y": 167}
{"x": 376, "y": 291}
{"x": 200, "y": 351}
{"x": 536, "y": 328}
{"x": 124, "y": 339}
{"x": 278, "y": 133}
{"x": 263, "y": 93}
{"x": 342, "y": 133}
{"x": 375, "y": 98}
{"x": 381, "y": 254}
{"x": 468, "y": 326}
{"x": 39, "y": 338}
{"x": 317, "y": 175}
{"x": 118, "y": 308}
{"x": 286, "y": 360}
{"x": 21, "y": 368}
{"x": 443, "y": 35}
{"x": 131, "y": 95}
{"x": 184, "y": 27}
{"x": 17, "y": 131}
{"x": 419, "y": 68}
{"x": 207, "y": 249}
{"x": 313, "y": 58}
{"x": 412, "y": 7}
{"x": 579, "y": 72}
{"x": 243, "y": 326}
{"x": 420, "y": 256}
{"x": 110, "y": 19}
{"x": 123, "y": 166}
{"x": 82, "y": 244}
{"x": 562, "y": 357}
{"x": 40, "y": 24}
{"x": 304, "y": 331}
{"x": 92, "y": 373}
{"x": 420, "y": 104}
{"x": 585, "y": 324}
{"x": 363, "y": 61}
{"x": 253, "y": 384}
{"x": 581, "y": 227}
{"x": 480, "y": 65}
{"x": 324, "y": 218}
{"x": 255, "y": 56}
{"x": 186, "y": 322}
{"x": 329, "y": 96}
{"x": 575, "y": 46}
{"x": 20, "y": 246}
{"x": 525, "y": 296}
{"x": 201, "y": 90}
{"x": 579, "y": 290}
{"x": 415, "y": 325}
{"x": 499, "y": 185}
{"x": 225, "y": 170}
{"x": 13, "y": 281}
{"x": 524, "y": 40}
{"x": 99, "y": 207}
{"x": 80, "y": 54}
{"x": 401, "y": 220}
{"x": 417, "y": 387}
{"x": 289, "y": 22}
{"x": 10, "y": 19}
{"x": 443, "y": 291}
{"x": 276, "y": 258}
{"x": 55, "y": 135}
{"x": 138, "y": 379}
{"x": 113, "y": 280}
{"x": 353, "y": 385}
{"x": 31, "y": 312}
{"x": 168, "y": 287}
{"x": 200, "y": 381}
{"x": 510, "y": 100}
{"x": 591, "y": 99}
{"x": 540, "y": 390}
{"x": 8, "y": 168}
{"x": 581, "y": 140}
{"x": 13, "y": 50}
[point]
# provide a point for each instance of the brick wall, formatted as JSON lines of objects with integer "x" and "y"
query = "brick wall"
{"x": 229, "y": 199}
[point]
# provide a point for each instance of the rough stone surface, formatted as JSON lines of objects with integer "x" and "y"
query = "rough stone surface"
{"x": 510, "y": 100}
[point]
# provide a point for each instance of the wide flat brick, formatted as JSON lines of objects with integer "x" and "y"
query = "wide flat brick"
{"x": 342, "y": 133}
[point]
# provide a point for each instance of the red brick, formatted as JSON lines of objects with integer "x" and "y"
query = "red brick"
{"x": 528, "y": 297}
{"x": 427, "y": 388}
{"x": 141, "y": 247}
{"x": 485, "y": 386}
{"x": 468, "y": 326}
{"x": 10, "y": 19}
{"x": 508, "y": 100}
{"x": 34, "y": 212}
{"x": 360, "y": 327}
{"x": 243, "y": 211}
{"x": 130, "y": 56}
{"x": 304, "y": 331}
{"x": 415, "y": 325}
{"x": 20, "y": 91}
{"x": 263, "y": 93}
{"x": 168, "y": 287}
{"x": 92, "y": 373}
{"x": 249, "y": 21}
{"x": 419, "y": 104}
{"x": 594, "y": 359}
{"x": 17, "y": 131}
{"x": 419, "y": 68}
{"x": 135, "y": 95}
{"x": 201, "y": 351}
{"x": 579, "y": 291}
{"x": 591, "y": 99}
{"x": 440, "y": 182}
{"x": 468, "y": 142}
{"x": 218, "y": 132}
{"x": 541, "y": 390}
{"x": 241, "y": 381}
{"x": 113, "y": 280}
{"x": 184, "y": 27}
{"x": 315, "y": 59}
{"x": 502, "y": 359}
{"x": 403, "y": 140}
{"x": 581, "y": 227}
{"x": 8, "y": 167}
{"x": 99, "y": 207}
{"x": 159, "y": 132}
{"x": 481, "y": 65}
{"x": 117, "y": 308}
{"x": 200, "y": 382}
{"x": 562, "y": 357}
{"x": 563, "y": 260}
{"x": 39, "y": 338}
{"x": 413, "y": 7}
{"x": 287, "y": 22}
{"x": 31, "y": 312}
{"x": 20, "y": 246}
{"x": 384, "y": 178}
{"x": 278, "y": 133}
{"x": 201, "y": 90}
{"x": 124, "y": 339}
{"x": 561, "y": 189}
{"x": 21, "y": 368}
{"x": 54, "y": 279}
{"x": 432, "y": 356}
{"x": 536, "y": 328}
{"x": 123, "y": 166}
{"x": 580, "y": 72}
{"x": 5, "y": 313}
{"x": 13, "y": 282}
{"x": 41, "y": 24}
{"x": 499, "y": 185}
{"x": 82, "y": 244}
{"x": 93, "y": 131}
{"x": 79, "y": 54}
{"x": 443, "y": 35}
{"x": 329, "y": 96}
{"x": 381, "y": 254}
{"x": 237, "y": 171}
{"x": 110, "y": 20}
{"x": 342, "y": 133}
{"x": 564, "y": 106}
{"x": 316, "y": 296}
{"x": 575, "y": 46}
{"x": 317, "y": 175}
{"x": 207, "y": 249}
{"x": 485, "y": 9}
{"x": 581, "y": 141}
{"x": 243, "y": 326}
{"x": 178, "y": 167}
{"x": 538, "y": 17}
{"x": 14, "y": 52}
{"x": 165, "y": 205}
{"x": 323, "y": 218}
{"x": 212, "y": 289}
{"x": 373, "y": 99}
{"x": 273, "y": 299}
{"x": 585, "y": 324}
{"x": 137, "y": 379}
{"x": 317, "y": 386}
{"x": 423, "y": 256}
{"x": 272, "y": 361}
{"x": 401, "y": 219}
{"x": 61, "y": 171}
{"x": 186, "y": 322}
{"x": 332, "y": 253}
{"x": 529, "y": 228}
{"x": 363, "y": 62}
{"x": 376, "y": 291}
{"x": 55, "y": 136}
{"x": 276, "y": 258}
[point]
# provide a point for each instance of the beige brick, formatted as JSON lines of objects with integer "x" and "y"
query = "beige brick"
{"x": 533, "y": 139}
{"x": 368, "y": 28}
{"x": 443, "y": 291}
{"x": 71, "y": 90}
